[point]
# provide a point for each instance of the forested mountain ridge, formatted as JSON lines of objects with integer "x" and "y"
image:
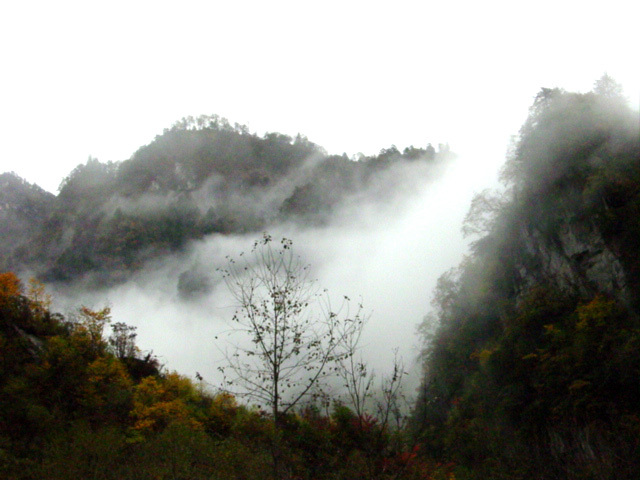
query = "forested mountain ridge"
{"x": 532, "y": 355}
{"x": 202, "y": 176}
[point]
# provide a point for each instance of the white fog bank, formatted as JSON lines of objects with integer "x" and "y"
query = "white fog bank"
{"x": 388, "y": 257}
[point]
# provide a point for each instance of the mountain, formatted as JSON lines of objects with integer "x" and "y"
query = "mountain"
{"x": 200, "y": 177}
{"x": 23, "y": 208}
{"x": 531, "y": 357}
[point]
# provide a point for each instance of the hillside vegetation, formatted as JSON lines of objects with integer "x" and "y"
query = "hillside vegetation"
{"x": 79, "y": 402}
{"x": 532, "y": 356}
{"x": 201, "y": 177}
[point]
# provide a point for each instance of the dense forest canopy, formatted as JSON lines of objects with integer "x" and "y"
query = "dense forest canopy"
{"x": 200, "y": 177}
{"x": 533, "y": 369}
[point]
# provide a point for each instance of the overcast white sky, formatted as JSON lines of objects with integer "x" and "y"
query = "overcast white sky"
{"x": 103, "y": 78}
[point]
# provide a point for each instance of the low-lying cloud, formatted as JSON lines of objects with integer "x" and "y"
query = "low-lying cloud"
{"x": 384, "y": 252}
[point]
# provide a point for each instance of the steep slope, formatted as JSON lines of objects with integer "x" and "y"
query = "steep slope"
{"x": 532, "y": 358}
{"x": 203, "y": 176}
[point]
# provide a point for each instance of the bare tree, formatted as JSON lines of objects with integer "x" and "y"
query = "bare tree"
{"x": 356, "y": 376}
{"x": 123, "y": 340}
{"x": 388, "y": 402}
{"x": 387, "y": 407}
{"x": 294, "y": 338}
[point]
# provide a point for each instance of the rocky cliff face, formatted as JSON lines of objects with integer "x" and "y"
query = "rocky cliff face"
{"x": 578, "y": 258}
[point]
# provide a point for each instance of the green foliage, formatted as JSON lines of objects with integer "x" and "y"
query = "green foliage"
{"x": 199, "y": 177}
{"x": 532, "y": 366}
{"x": 76, "y": 404}
{"x": 81, "y": 451}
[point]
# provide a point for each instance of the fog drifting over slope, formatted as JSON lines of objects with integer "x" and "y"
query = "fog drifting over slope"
{"x": 387, "y": 254}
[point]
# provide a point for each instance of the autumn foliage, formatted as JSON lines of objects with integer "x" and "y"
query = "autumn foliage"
{"x": 73, "y": 404}
{"x": 532, "y": 355}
